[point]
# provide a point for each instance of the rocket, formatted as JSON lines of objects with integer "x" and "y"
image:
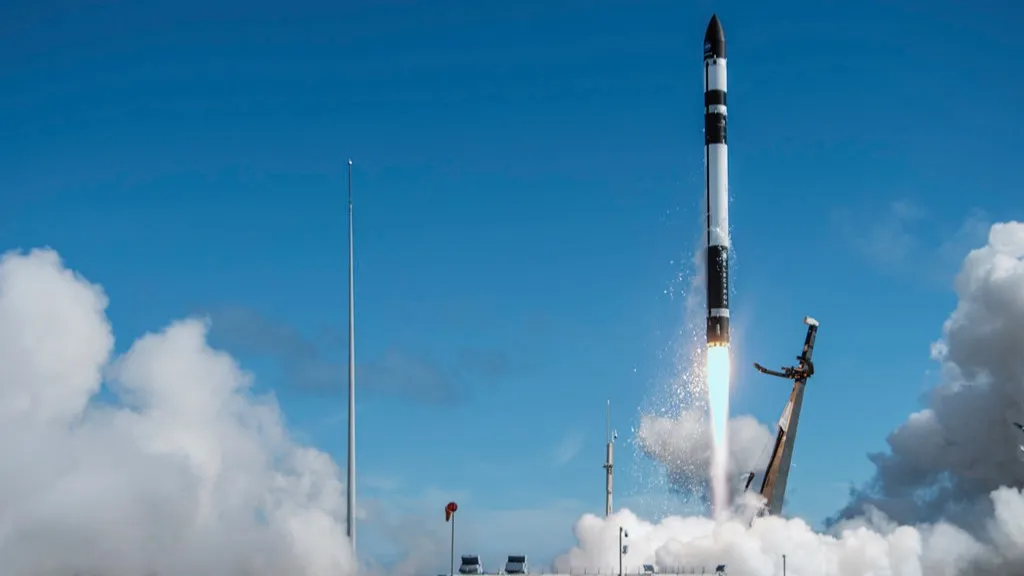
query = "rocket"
{"x": 716, "y": 184}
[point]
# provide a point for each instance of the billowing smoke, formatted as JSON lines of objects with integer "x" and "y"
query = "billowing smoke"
{"x": 871, "y": 546}
{"x": 946, "y": 459}
{"x": 946, "y": 500}
{"x": 174, "y": 468}
{"x": 683, "y": 445}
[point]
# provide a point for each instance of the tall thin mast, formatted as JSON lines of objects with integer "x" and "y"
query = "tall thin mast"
{"x": 609, "y": 463}
{"x": 351, "y": 499}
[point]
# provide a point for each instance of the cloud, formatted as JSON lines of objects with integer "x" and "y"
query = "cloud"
{"x": 972, "y": 232}
{"x": 396, "y": 373}
{"x": 183, "y": 472}
{"x": 946, "y": 498}
{"x": 888, "y": 236}
{"x": 891, "y": 240}
{"x": 568, "y": 448}
{"x": 900, "y": 237}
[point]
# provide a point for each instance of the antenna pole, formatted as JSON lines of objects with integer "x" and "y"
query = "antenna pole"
{"x": 351, "y": 496}
{"x": 609, "y": 463}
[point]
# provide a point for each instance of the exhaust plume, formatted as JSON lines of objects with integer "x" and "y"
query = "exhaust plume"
{"x": 160, "y": 461}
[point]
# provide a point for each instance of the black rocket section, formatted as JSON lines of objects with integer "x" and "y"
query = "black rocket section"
{"x": 714, "y": 39}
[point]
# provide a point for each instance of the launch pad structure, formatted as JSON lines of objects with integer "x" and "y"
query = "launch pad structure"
{"x": 776, "y": 474}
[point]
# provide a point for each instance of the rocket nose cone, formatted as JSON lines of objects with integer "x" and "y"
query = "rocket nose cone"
{"x": 714, "y": 31}
{"x": 714, "y": 39}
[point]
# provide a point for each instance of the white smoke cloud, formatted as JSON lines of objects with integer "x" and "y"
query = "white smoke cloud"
{"x": 184, "y": 472}
{"x": 946, "y": 499}
{"x": 683, "y": 445}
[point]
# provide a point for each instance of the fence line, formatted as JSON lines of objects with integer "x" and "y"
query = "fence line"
{"x": 631, "y": 571}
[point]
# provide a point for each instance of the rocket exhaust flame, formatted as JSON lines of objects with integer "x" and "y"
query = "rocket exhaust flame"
{"x": 719, "y": 376}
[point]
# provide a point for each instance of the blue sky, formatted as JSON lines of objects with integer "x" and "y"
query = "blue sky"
{"x": 529, "y": 186}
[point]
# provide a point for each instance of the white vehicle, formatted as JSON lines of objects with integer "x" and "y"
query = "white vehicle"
{"x": 471, "y": 565}
{"x": 516, "y": 565}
